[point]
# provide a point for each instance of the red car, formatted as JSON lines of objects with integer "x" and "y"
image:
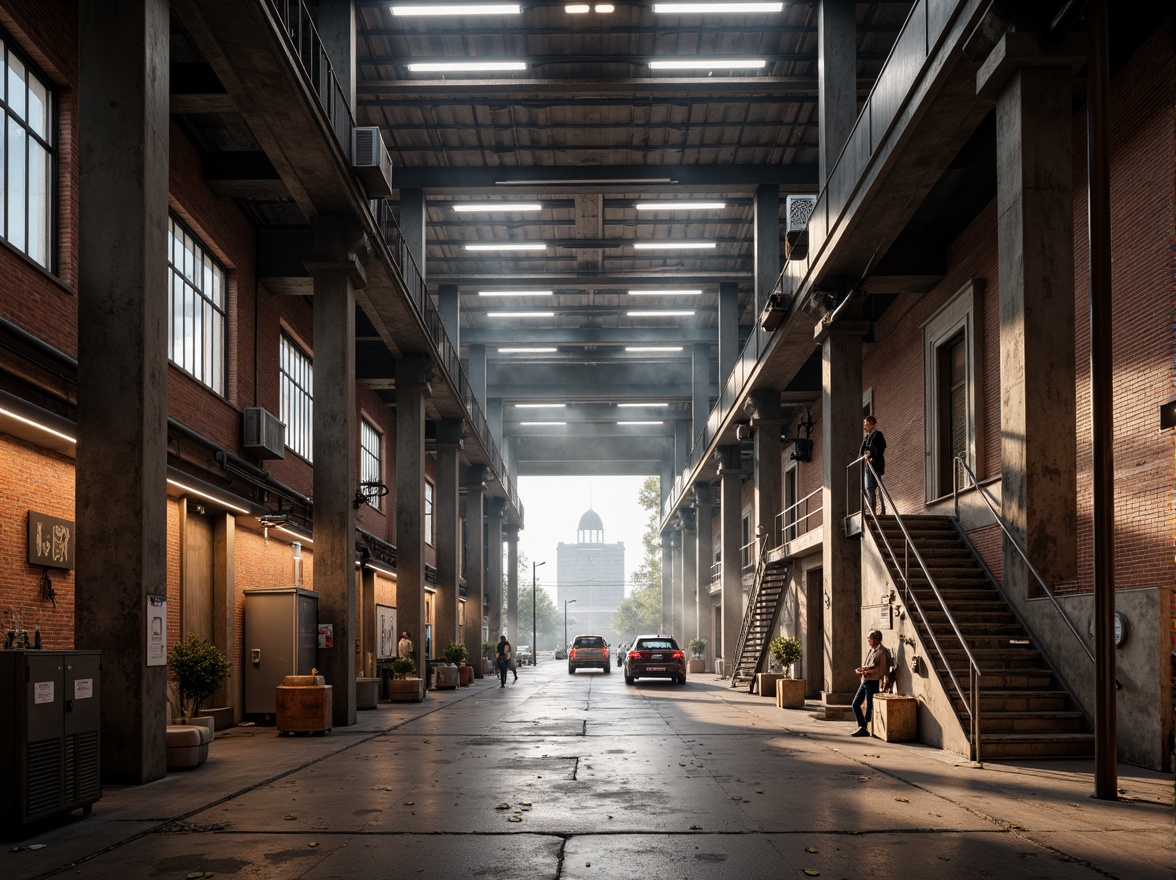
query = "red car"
{"x": 588, "y": 652}
{"x": 655, "y": 657}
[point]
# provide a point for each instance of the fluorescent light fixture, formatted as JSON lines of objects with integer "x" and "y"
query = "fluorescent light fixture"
{"x": 520, "y": 314}
{"x": 664, "y": 292}
{"x": 688, "y": 8}
{"x": 641, "y": 423}
{"x": 661, "y": 313}
{"x": 668, "y": 205}
{"x": 508, "y": 246}
{"x": 674, "y": 245}
{"x": 584, "y": 181}
{"x": 465, "y": 66}
{"x": 534, "y": 424}
{"x": 515, "y": 292}
{"x": 604, "y": 8}
{"x": 37, "y": 425}
{"x": 576, "y": 8}
{"x": 456, "y": 8}
{"x": 643, "y": 404}
{"x": 540, "y": 405}
{"x": 707, "y": 64}
{"x": 207, "y": 497}
{"x": 653, "y": 348}
{"x": 532, "y": 350}
{"x": 495, "y": 207}
{"x": 297, "y": 537}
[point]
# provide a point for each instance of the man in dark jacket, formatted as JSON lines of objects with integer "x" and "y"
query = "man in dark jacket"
{"x": 874, "y": 449}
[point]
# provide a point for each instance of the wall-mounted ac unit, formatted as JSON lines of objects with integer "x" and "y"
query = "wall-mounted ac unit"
{"x": 797, "y": 210}
{"x": 264, "y": 436}
{"x": 370, "y": 159}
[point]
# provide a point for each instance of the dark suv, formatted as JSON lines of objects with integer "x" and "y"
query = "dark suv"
{"x": 655, "y": 657}
{"x": 588, "y": 652}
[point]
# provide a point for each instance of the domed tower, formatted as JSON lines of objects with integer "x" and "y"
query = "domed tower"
{"x": 590, "y": 573}
{"x": 591, "y": 529}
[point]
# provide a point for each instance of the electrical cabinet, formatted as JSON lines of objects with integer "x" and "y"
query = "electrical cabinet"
{"x": 49, "y": 741}
{"x": 281, "y": 638}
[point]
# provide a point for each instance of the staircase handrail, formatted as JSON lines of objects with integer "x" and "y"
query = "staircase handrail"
{"x": 955, "y": 489}
{"x": 785, "y": 524}
{"x": 972, "y": 704}
{"x": 745, "y": 630}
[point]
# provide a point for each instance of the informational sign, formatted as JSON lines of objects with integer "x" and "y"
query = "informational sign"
{"x": 43, "y": 692}
{"x": 885, "y": 618}
{"x": 385, "y": 632}
{"x": 83, "y": 689}
{"x": 51, "y": 541}
{"x": 157, "y": 630}
{"x": 326, "y": 635}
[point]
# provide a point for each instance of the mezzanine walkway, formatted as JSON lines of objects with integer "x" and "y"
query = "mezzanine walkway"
{"x": 602, "y": 780}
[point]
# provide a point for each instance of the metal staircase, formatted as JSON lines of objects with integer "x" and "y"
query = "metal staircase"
{"x": 763, "y": 612}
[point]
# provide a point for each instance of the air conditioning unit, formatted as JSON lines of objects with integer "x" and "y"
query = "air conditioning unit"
{"x": 370, "y": 159}
{"x": 797, "y": 210}
{"x": 264, "y": 436}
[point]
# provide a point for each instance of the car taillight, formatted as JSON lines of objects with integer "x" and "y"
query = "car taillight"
{"x": 572, "y": 654}
{"x": 606, "y": 653}
{"x": 634, "y": 655}
{"x": 678, "y": 655}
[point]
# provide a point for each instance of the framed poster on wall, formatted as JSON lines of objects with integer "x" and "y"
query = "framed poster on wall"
{"x": 385, "y": 632}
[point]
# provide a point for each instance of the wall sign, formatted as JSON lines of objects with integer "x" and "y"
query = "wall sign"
{"x": 157, "y": 630}
{"x": 51, "y": 541}
{"x": 386, "y": 636}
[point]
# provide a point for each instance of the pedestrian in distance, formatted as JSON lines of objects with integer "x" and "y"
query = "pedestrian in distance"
{"x": 874, "y": 449}
{"x": 502, "y": 654}
{"x": 871, "y": 671}
{"x": 404, "y": 646}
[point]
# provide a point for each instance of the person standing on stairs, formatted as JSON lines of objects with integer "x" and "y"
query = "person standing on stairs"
{"x": 871, "y": 671}
{"x": 874, "y": 449}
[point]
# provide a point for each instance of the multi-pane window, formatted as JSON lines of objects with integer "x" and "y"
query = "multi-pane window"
{"x": 370, "y": 469}
{"x": 297, "y": 397}
{"x": 195, "y": 308}
{"x": 428, "y": 512}
{"x": 26, "y": 157}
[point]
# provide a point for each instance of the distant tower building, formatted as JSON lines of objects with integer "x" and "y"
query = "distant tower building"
{"x": 593, "y": 574}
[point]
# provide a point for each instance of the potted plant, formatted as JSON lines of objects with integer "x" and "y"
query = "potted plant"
{"x": 696, "y": 664}
{"x": 404, "y": 687}
{"x": 488, "y": 649}
{"x": 197, "y": 669}
{"x": 789, "y": 690}
{"x": 457, "y": 654}
{"x": 447, "y": 677}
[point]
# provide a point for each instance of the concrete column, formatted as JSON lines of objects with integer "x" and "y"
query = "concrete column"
{"x": 413, "y": 376}
{"x": 837, "y": 79}
{"x": 667, "y": 579}
{"x": 1035, "y": 235}
{"x": 767, "y": 242}
{"x": 512, "y": 583}
{"x": 704, "y": 550}
{"x": 700, "y": 389}
{"x": 494, "y": 417}
{"x": 675, "y": 609}
{"x": 682, "y": 443}
{"x": 336, "y": 28}
{"x": 475, "y": 482}
{"x": 494, "y": 523}
{"x": 728, "y": 329}
{"x": 730, "y": 542}
{"x": 337, "y": 270}
{"x": 412, "y": 225}
{"x": 477, "y": 373}
{"x": 449, "y": 308}
{"x": 224, "y": 603}
{"x": 686, "y": 607}
{"x": 765, "y": 406}
{"x": 121, "y": 471}
{"x": 841, "y": 435}
{"x": 366, "y": 616}
{"x": 447, "y": 516}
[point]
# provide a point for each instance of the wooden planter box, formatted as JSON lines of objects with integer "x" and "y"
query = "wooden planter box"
{"x": 303, "y": 708}
{"x": 465, "y": 675}
{"x": 790, "y": 693}
{"x": 406, "y": 690}
{"x": 696, "y": 665}
{"x": 896, "y": 718}
{"x": 765, "y": 683}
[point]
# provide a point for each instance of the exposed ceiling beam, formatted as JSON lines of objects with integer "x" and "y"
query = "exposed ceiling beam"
{"x": 471, "y": 91}
{"x": 542, "y": 336}
{"x": 797, "y": 178}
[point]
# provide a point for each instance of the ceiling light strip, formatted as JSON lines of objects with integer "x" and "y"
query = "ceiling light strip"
{"x": 665, "y": 292}
{"x": 707, "y": 64}
{"x": 520, "y": 314}
{"x": 515, "y": 292}
{"x": 495, "y": 207}
{"x": 674, "y": 245}
{"x": 508, "y": 246}
{"x": 707, "y": 8}
{"x": 661, "y": 313}
{"x": 417, "y": 9}
{"x": 516, "y": 350}
{"x": 667, "y": 205}
{"x": 465, "y": 66}
{"x": 653, "y": 348}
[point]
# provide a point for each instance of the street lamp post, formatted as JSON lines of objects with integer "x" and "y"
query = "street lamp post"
{"x": 534, "y": 605}
{"x": 567, "y": 602}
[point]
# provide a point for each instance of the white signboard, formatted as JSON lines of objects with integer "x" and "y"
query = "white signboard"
{"x": 386, "y": 636}
{"x": 157, "y": 630}
{"x": 43, "y": 692}
{"x": 83, "y": 689}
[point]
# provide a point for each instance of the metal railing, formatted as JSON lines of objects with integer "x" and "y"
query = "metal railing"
{"x": 962, "y": 465}
{"x": 789, "y": 526}
{"x": 902, "y": 566}
{"x": 309, "y": 49}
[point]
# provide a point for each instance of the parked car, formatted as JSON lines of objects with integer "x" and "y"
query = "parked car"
{"x": 655, "y": 656}
{"x": 523, "y": 655}
{"x": 588, "y": 652}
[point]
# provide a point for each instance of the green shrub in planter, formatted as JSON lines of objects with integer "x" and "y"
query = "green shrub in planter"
{"x": 786, "y": 652}
{"x": 402, "y": 667}
{"x": 198, "y": 670}
{"x": 697, "y": 646}
{"x": 456, "y": 653}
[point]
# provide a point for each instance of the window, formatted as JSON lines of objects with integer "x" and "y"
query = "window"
{"x": 745, "y": 548}
{"x": 195, "y": 308}
{"x": 370, "y": 464}
{"x": 428, "y": 512}
{"x": 297, "y": 397}
{"x": 27, "y": 157}
{"x": 952, "y": 388}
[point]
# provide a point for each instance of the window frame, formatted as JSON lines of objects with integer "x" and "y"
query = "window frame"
{"x": 367, "y": 429}
{"x": 48, "y": 143}
{"x": 204, "y": 260}
{"x": 299, "y": 424}
{"x": 430, "y": 521}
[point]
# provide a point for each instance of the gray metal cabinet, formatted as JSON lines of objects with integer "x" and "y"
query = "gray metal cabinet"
{"x": 281, "y": 638}
{"x": 49, "y": 741}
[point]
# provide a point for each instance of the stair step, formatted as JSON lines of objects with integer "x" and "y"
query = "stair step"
{"x": 1063, "y": 721}
{"x": 1028, "y": 745}
{"x": 1020, "y": 700}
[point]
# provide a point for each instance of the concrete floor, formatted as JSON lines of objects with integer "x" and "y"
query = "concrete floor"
{"x": 567, "y": 777}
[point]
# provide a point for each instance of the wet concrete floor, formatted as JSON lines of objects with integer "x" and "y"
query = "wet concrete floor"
{"x": 576, "y": 777}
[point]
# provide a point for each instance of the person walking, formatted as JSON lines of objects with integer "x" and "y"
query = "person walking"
{"x": 502, "y": 656}
{"x": 404, "y": 646}
{"x": 874, "y": 449}
{"x": 871, "y": 671}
